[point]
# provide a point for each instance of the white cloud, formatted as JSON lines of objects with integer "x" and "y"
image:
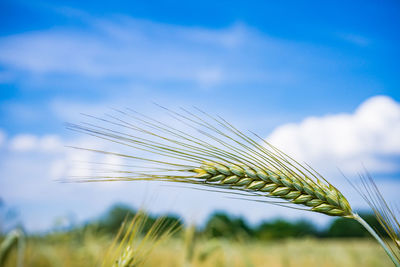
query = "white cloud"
{"x": 29, "y": 143}
{"x": 62, "y": 162}
{"x": 346, "y": 140}
{"x": 24, "y": 142}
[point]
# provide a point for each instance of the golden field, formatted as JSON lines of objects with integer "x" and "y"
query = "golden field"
{"x": 91, "y": 250}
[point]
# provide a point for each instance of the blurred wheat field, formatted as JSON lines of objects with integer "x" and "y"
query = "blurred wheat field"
{"x": 65, "y": 251}
{"x": 280, "y": 254}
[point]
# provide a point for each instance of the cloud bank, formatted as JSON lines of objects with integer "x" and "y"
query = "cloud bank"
{"x": 369, "y": 136}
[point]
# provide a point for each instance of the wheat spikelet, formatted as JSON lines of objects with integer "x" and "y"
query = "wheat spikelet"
{"x": 298, "y": 190}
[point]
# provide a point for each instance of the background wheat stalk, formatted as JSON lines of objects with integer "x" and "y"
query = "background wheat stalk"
{"x": 132, "y": 245}
{"x": 14, "y": 238}
{"x": 211, "y": 152}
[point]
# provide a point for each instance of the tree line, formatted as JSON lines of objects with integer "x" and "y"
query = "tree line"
{"x": 224, "y": 225}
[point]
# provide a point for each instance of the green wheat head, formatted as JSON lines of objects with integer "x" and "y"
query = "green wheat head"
{"x": 222, "y": 157}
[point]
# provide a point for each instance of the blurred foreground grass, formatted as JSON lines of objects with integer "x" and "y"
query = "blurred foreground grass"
{"x": 90, "y": 249}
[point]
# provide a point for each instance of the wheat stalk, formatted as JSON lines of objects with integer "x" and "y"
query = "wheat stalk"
{"x": 213, "y": 153}
{"x": 386, "y": 215}
{"x": 15, "y": 237}
{"x": 132, "y": 246}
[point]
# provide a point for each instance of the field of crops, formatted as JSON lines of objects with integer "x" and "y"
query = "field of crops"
{"x": 90, "y": 250}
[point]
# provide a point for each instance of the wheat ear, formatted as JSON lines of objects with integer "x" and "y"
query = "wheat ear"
{"x": 213, "y": 153}
{"x": 286, "y": 185}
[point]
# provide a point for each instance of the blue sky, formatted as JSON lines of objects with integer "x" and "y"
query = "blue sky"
{"x": 320, "y": 80}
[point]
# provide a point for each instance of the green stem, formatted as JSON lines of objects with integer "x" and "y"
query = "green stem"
{"x": 376, "y": 236}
